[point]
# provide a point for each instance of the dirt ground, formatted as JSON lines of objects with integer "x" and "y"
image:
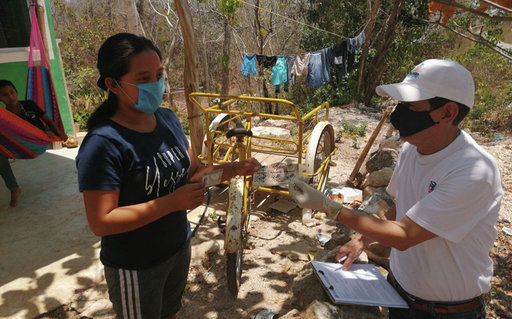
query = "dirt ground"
{"x": 279, "y": 245}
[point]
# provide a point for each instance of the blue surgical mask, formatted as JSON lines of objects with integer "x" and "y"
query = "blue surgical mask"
{"x": 150, "y": 96}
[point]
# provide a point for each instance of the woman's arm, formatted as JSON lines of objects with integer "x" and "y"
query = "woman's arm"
{"x": 105, "y": 217}
{"x": 197, "y": 170}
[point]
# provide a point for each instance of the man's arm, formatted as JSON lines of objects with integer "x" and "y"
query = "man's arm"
{"x": 353, "y": 249}
{"x": 400, "y": 234}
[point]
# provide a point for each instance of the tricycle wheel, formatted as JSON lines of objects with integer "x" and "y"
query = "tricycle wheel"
{"x": 233, "y": 243}
{"x": 218, "y": 131}
{"x": 320, "y": 146}
{"x": 234, "y": 269}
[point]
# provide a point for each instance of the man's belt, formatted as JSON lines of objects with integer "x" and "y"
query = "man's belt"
{"x": 434, "y": 306}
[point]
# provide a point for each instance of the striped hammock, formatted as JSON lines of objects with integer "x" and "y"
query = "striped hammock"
{"x": 19, "y": 138}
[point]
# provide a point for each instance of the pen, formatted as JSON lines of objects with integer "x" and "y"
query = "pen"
{"x": 342, "y": 259}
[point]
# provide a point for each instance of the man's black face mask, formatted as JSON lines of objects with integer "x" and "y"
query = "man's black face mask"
{"x": 410, "y": 122}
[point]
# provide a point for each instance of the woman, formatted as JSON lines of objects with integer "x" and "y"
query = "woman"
{"x": 139, "y": 176}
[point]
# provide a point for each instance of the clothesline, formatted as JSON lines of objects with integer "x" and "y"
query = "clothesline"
{"x": 316, "y": 64}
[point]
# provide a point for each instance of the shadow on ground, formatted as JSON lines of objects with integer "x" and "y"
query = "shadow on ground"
{"x": 47, "y": 250}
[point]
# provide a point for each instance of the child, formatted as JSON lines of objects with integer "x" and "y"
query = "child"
{"x": 30, "y": 112}
{"x": 139, "y": 177}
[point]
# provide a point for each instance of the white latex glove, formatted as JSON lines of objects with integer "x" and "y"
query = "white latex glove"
{"x": 307, "y": 197}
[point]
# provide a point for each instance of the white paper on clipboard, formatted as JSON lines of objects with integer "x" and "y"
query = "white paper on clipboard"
{"x": 363, "y": 284}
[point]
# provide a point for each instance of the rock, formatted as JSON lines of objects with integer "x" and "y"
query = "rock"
{"x": 307, "y": 288}
{"x": 386, "y": 157}
{"x": 379, "y": 178}
{"x": 327, "y": 310}
{"x": 270, "y": 131}
{"x": 393, "y": 142}
{"x": 379, "y": 254}
{"x": 377, "y": 203}
{"x": 341, "y": 237}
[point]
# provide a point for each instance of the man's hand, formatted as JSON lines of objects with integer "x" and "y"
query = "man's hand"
{"x": 307, "y": 197}
{"x": 352, "y": 250}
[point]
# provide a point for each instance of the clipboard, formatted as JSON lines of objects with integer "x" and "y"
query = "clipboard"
{"x": 363, "y": 285}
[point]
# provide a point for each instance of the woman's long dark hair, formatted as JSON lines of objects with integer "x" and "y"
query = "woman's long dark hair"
{"x": 114, "y": 62}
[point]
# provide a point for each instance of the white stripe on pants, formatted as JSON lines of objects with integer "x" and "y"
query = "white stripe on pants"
{"x": 129, "y": 285}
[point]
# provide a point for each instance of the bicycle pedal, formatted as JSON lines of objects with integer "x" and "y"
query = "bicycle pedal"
{"x": 221, "y": 223}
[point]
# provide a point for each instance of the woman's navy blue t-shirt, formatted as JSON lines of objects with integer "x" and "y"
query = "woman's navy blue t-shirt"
{"x": 142, "y": 166}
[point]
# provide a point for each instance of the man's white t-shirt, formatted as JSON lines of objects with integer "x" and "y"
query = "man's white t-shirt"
{"x": 456, "y": 194}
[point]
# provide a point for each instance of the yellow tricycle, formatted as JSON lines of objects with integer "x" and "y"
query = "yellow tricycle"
{"x": 237, "y": 128}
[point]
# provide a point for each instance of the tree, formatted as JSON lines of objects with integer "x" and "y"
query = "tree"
{"x": 190, "y": 73}
{"x": 228, "y": 8}
{"x": 483, "y": 25}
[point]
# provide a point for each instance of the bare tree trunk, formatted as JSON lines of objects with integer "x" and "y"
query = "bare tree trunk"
{"x": 225, "y": 55}
{"x": 190, "y": 75}
{"x": 377, "y": 66}
{"x": 372, "y": 16}
{"x": 206, "y": 65}
{"x": 132, "y": 17}
{"x": 262, "y": 83}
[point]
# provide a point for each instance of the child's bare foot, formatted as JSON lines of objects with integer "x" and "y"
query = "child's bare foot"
{"x": 15, "y": 195}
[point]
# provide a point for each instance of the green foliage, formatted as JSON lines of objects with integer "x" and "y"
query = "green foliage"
{"x": 229, "y": 7}
{"x": 493, "y": 95}
{"x": 352, "y": 130}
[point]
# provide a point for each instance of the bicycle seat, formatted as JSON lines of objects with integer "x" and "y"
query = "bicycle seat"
{"x": 239, "y": 130}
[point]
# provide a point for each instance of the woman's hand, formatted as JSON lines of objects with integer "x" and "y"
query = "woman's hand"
{"x": 188, "y": 196}
{"x": 246, "y": 167}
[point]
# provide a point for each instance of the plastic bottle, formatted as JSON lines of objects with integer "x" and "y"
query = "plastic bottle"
{"x": 307, "y": 216}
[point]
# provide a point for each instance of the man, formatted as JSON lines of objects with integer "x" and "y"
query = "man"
{"x": 447, "y": 193}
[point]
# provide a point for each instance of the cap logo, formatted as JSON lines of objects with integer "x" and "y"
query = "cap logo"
{"x": 415, "y": 72}
{"x": 432, "y": 186}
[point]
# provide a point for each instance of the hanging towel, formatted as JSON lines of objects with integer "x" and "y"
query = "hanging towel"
{"x": 248, "y": 65}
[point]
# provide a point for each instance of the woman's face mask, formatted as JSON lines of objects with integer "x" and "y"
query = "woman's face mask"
{"x": 150, "y": 96}
{"x": 410, "y": 122}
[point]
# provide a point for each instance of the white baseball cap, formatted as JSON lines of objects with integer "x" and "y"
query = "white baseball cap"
{"x": 431, "y": 78}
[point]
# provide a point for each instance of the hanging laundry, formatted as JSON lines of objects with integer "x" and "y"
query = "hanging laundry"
{"x": 318, "y": 68}
{"x": 266, "y": 61}
{"x": 248, "y": 65}
{"x": 290, "y": 60}
{"x": 300, "y": 66}
{"x": 279, "y": 74}
{"x": 340, "y": 58}
{"x": 357, "y": 42}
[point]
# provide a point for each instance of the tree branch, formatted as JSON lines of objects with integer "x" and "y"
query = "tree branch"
{"x": 497, "y": 6}
{"x": 478, "y": 39}
{"x": 484, "y": 15}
